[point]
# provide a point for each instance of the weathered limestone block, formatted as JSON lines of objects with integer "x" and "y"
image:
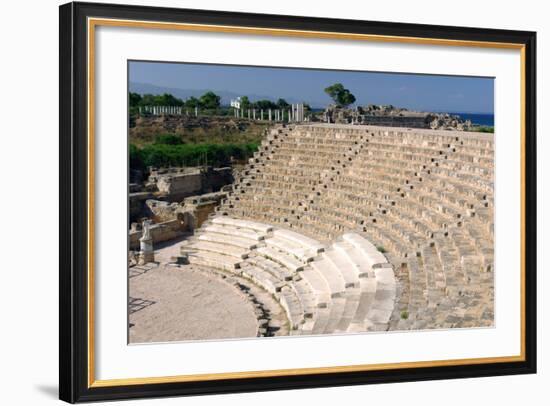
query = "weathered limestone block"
{"x": 146, "y": 252}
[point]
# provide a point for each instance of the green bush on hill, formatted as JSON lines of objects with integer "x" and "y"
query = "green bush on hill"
{"x": 168, "y": 139}
{"x": 164, "y": 155}
{"x": 485, "y": 129}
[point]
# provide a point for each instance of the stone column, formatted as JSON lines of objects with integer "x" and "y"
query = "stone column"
{"x": 146, "y": 251}
{"x": 262, "y": 114}
{"x": 254, "y": 114}
{"x": 269, "y": 114}
{"x": 196, "y": 111}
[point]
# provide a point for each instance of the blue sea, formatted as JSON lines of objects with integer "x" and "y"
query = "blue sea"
{"x": 479, "y": 119}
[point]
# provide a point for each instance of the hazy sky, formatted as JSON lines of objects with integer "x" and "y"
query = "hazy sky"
{"x": 413, "y": 91}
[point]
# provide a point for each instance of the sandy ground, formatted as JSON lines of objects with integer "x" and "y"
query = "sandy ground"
{"x": 173, "y": 303}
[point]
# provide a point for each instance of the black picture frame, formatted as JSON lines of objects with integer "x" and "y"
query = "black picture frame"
{"x": 74, "y": 385}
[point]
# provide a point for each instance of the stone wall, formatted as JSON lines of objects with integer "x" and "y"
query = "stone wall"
{"x": 390, "y": 116}
{"x": 200, "y": 207}
{"x": 179, "y": 185}
{"x": 396, "y": 121}
{"x": 190, "y": 213}
{"x": 136, "y": 204}
{"x": 165, "y": 231}
{"x": 176, "y": 184}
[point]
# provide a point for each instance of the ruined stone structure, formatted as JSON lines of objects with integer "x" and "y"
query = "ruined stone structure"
{"x": 159, "y": 232}
{"x": 390, "y": 116}
{"x": 318, "y": 205}
{"x": 175, "y": 184}
{"x": 330, "y": 229}
{"x": 136, "y": 201}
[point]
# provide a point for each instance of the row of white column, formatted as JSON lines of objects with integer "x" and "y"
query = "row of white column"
{"x": 172, "y": 110}
{"x": 294, "y": 114}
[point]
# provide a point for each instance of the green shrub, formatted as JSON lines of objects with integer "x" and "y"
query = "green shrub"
{"x": 381, "y": 249}
{"x": 485, "y": 129}
{"x": 136, "y": 158}
{"x": 168, "y": 139}
{"x": 163, "y": 155}
{"x": 404, "y": 315}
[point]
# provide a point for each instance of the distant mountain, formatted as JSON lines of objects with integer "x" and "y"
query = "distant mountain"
{"x": 226, "y": 96}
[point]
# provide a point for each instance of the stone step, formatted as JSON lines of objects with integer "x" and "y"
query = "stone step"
{"x": 292, "y": 306}
{"x": 246, "y": 224}
{"x": 235, "y": 231}
{"x": 373, "y": 257}
{"x": 306, "y": 296}
{"x": 318, "y": 286}
{"x": 384, "y": 299}
{"x": 279, "y": 271}
{"x": 302, "y": 253}
{"x": 336, "y": 313}
{"x": 261, "y": 277}
{"x": 343, "y": 265}
{"x": 225, "y": 239}
{"x": 366, "y": 299}
{"x": 350, "y": 309}
{"x": 333, "y": 278}
{"x": 355, "y": 256}
{"x": 280, "y": 257}
{"x": 302, "y": 240}
{"x": 322, "y": 316}
{"x": 216, "y": 261}
{"x": 222, "y": 249}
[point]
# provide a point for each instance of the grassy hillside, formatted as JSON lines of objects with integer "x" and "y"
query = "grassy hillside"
{"x": 216, "y": 129}
{"x": 192, "y": 141}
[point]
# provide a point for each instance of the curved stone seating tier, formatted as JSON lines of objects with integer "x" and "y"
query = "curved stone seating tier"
{"x": 213, "y": 260}
{"x": 348, "y": 286}
{"x": 225, "y": 239}
{"x": 244, "y": 224}
{"x": 244, "y": 233}
{"x": 425, "y": 197}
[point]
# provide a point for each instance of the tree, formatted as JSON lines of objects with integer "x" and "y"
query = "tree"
{"x": 245, "y": 102}
{"x": 192, "y": 102}
{"x": 168, "y": 100}
{"x": 265, "y": 104}
{"x": 148, "y": 100}
{"x": 165, "y": 99}
{"x": 135, "y": 99}
{"x": 210, "y": 101}
{"x": 341, "y": 96}
{"x": 281, "y": 103}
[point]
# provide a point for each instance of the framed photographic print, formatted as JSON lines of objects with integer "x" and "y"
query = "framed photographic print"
{"x": 258, "y": 202}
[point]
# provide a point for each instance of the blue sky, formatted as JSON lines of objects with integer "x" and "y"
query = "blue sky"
{"x": 413, "y": 91}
